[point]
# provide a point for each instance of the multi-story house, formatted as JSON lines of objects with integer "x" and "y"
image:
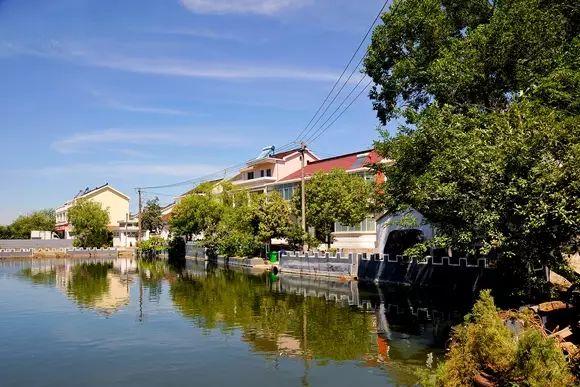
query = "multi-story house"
{"x": 281, "y": 172}
{"x": 270, "y": 167}
{"x": 361, "y": 237}
{"x": 114, "y": 201}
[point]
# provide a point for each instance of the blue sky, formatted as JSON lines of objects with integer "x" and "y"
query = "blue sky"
{"x": 148, "y": 92}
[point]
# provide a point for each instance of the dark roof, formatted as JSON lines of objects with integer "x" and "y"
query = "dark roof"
{"x": 281, "y": 155}
{"x": 348, "y": 162}
{"x": 85, "y": 191}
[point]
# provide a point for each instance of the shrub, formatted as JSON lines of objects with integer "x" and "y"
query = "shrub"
{"x": 484, "y": 345}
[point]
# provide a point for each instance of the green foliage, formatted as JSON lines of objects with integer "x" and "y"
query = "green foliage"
{"x": 89, "y": 222}
{"x": 236, "y": 232}
{"x": 272, "y": 215}
{"x": 151, "y": 216}
{"x": 490, "y": 150}
{"x": 42, "y": 220}
{"x": 155, "y": 244}
{"x": 485, "y": 344}
{"x": 334, "y": 197}
{"x": 473, "y": 52}
{"x": 196, "y": 214}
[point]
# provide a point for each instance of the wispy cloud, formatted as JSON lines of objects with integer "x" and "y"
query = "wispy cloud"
{"x": 148, "y": 109}
{"x": 202, "y": 33}
{"x": 262, "y": 7}
{"x": 113, "y": 103}
{"x": 120, "y": 169}
{"x": 167, "y": 66}
{"x": 91, "y": 141}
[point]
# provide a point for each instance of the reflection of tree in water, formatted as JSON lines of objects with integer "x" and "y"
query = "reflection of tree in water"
{"x": 151, "y": 274}
{"x": 88, "y": 282}
{"x": 47, "y": 278}
{"x": 274, "y": 323}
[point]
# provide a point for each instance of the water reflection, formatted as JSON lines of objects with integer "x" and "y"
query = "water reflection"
{"x": 312, "y": 320}
{"x": 100, "y": 284}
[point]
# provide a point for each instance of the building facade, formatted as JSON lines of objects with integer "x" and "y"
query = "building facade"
{"x": 112, "y": 200}
{"x": 270, "y": 167}
{"x": 361, "y": 237}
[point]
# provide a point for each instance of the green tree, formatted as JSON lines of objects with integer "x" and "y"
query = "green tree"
{"x": 151, "y": 216}
{"x": 474, "y": 52}
{"x": 197, "y": 213}
{"x": 236, "y": 232}
{"x": 42, "y": 220}
{"x": 332, "y": 197}
{"x": 89, "y": 222}
{"x": 272, "y": 217}
{"x": 490, "y": 150}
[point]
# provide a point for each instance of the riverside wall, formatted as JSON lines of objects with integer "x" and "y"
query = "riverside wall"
{"x": 470, "y": 273}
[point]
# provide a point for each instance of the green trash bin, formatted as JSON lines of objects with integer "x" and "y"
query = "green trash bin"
{"x": 273, "y": 256}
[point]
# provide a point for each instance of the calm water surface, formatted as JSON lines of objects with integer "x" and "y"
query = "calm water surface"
{"x": 125, "y": 322}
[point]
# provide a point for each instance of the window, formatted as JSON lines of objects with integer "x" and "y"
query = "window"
{"x": 250, "y": 175}
{"x": 262, "y": 172}
{"x": 269, "y": 172}
{"x": 367, "y": 225}
{"x": 285, "y": 190}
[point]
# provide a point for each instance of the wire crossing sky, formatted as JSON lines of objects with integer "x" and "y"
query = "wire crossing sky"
{"x": 148, "y": 93}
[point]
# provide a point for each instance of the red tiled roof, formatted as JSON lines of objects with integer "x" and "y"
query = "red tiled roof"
{"x": 347, "y": 162}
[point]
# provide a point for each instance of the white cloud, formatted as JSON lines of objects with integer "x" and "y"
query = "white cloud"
{"x": 202, "y": 33}
{"x": 210, "y": 70}
{"x": 87, "y": 141}
{"x": 262, "y": 7}
{"x": 148, "y": 109}
{"x": 162, "y": 65}
{"x": 121, "y": 169}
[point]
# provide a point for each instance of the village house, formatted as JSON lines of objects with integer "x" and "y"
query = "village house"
{"x": 270, "y": 167}
{"x": 361, "y": 237}
{"x": 281, "y": 172}
{"x": 114, "y": 201}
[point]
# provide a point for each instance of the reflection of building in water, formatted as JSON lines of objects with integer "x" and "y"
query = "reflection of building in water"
{"x": 99, "y": 284}
{"x": 344, "y": 292}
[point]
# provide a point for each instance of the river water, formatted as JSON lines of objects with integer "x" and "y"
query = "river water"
{"x": 74, "y": 322}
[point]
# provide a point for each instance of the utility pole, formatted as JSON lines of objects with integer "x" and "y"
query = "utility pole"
{"x": 139, "y": 217}
{"x": 303, "y": 192}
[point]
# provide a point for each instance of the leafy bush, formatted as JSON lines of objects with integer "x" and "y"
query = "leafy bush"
{"x": 155, "y": 244}
{"x": 484, "y": 345}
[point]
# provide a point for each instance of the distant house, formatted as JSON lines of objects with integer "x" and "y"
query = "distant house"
{"x": 114, "y": 201}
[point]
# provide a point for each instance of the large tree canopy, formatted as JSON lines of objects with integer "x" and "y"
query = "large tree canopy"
{"x": 474, "y": 52}
{"x": 490, "y": 152}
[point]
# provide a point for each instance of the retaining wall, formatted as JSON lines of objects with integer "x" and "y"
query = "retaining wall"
{"x": 429, "y": 271}
{"x": 194, "y": 251}
{"x": 35, "y": 243}
{"x": 320, "y": 264}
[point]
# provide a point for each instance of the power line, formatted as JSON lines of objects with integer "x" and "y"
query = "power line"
{"x": 343, "y": 71}
{"x": 343, "y": 111}
{"x": 215, "y": 174}
{"x": 314, "y": 133}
